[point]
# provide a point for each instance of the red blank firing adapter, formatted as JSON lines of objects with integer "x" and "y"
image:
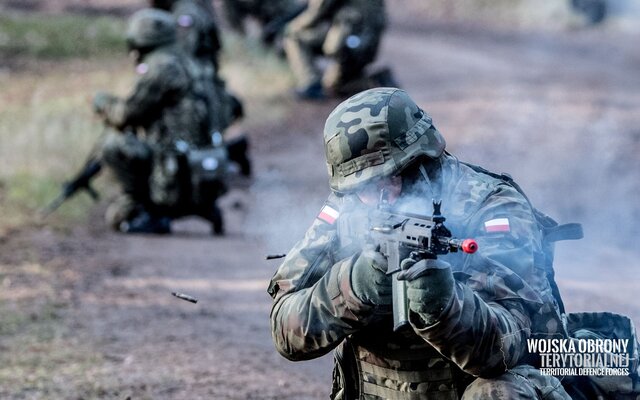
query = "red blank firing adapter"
{"x": 469, "y": 246}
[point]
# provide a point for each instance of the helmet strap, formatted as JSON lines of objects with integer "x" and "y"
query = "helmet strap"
{"x": 425, "y": 175}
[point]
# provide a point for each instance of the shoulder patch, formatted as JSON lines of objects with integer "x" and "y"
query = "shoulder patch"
{"x": 497, "y": 225}
{"x": 328, "y": 214}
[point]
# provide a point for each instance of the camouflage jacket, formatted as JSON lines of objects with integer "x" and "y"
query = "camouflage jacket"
{"x": 170, "y": 100}
{"x": 369, "y": 13}
{"x": 501, "y": 294}
{"x": 199, "y": 36}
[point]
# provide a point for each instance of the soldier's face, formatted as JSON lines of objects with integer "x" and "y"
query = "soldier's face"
{"x": 383, "y": 189}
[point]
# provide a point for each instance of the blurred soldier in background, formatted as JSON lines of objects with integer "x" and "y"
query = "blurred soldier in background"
{"x": 199, "y": 36}
{"x": 273, "y": 15}
{"x": 348, "y": 33}
{"x": 594, "y": 10}
{"x": 163, "y": 124}
{"x": 470, "y": 314}
{"x": 198, "y": 32}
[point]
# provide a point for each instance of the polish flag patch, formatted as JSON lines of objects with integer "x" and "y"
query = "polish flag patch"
{"x": 497, "y": 225}
{"x": 328, "y": 215}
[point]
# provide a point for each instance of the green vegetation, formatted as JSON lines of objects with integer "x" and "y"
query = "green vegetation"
{"x": 60, "y": 36}
{"x": 47, "y": 127}
{"x": 46, "y": 132}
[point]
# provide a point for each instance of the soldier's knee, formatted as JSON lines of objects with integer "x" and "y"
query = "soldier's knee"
{"x": 119, "y": 211}
{"x": 520, "y": 383}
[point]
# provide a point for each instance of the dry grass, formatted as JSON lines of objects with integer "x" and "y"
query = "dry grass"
{"x": 46, "y": 131}
{"x": 260, "y": 77}
{"x": 47, "y": 128}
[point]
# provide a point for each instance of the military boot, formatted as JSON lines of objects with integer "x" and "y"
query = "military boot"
{"x": 312, "y": 92}
{"x": 238, "y": 150}
{"x": 214, "y": 216}
{"x": 144, "y": 222}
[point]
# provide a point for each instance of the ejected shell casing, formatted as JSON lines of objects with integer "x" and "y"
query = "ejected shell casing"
{"x": 186, "y": 297}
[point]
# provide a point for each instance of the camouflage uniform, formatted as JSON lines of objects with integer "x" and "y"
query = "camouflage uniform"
{"x": 348, "y": 32}
{"x": 168, "y": 104}
{"x": 199, "y": 36}
{"x": 500, "y": 297}
{"x": 198, "y": 32}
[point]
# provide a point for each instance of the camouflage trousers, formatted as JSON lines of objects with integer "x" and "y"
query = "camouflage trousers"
{"x": 130, "y": 161}
{"x": 522, "y": 382}
{"x": 348, "y": 54}
{"x": 150, "y": 178}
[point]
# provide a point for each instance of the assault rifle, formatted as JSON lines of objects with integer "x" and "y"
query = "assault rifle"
{"x": 82, "y": 181}
{"x": 398, "y": 236}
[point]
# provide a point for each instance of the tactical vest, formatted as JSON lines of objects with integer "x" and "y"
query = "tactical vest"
{"x": 392, "y": 365}
{"x": 378, "y": 363}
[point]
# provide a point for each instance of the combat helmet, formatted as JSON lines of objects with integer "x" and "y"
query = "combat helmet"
{"x": 375, "y": 134}
{"x": 150, "y": 28}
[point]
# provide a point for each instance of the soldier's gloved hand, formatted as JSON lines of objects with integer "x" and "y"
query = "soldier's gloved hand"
{"x": 100, "y": 102}
{"x": 429, "y": 287}
{"x": 369, "y": 279}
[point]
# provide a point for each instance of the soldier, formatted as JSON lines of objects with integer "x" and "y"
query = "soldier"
{"x": 347, "y": 33}
{"x": 198, "y": 36}
{"x": 165, "y": 115}
{"x": 470, "y": 314}
{"x": 198, "y": 32}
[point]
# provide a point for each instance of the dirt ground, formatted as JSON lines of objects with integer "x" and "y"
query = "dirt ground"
{"x": 556, "y": 110}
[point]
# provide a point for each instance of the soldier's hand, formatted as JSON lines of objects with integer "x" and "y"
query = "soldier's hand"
{"x": 369, "y": 279}
{"x": 100, "y": 102}
{"x": 429, "y": 287}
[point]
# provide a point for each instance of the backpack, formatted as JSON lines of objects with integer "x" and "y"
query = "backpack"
{"x": 601, "y": 325}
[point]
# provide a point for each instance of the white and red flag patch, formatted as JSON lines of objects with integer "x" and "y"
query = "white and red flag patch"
{"x": 497, "y": 225}
{"x": 328, "y": 214}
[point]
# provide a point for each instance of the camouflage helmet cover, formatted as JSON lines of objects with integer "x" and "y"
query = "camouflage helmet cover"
{"x": 375, "y": 134}
{"x": 150, "y": 28}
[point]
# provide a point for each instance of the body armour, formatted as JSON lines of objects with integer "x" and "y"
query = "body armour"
{"x": 394, "y": 366}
